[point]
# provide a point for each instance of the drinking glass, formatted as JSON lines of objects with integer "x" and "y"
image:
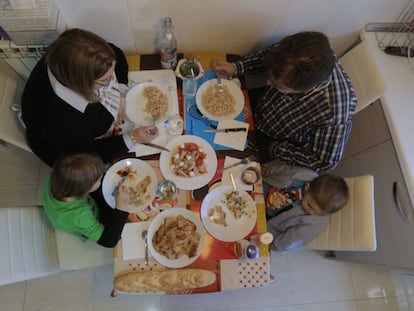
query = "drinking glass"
{"x": 175, "y": 125}
{"x": 189, "y": 86}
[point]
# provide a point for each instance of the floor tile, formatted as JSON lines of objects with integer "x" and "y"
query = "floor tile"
{"x": 12, "y": 297}
{"x": 20, "y": 195}
{"x": 375, "y": 282}
{"x": 282, "y": 308}
{"x": 329, "y": 306}
{"x": 383, "y": 304}
{"x": 66, "y": 291}
{"x": 408, "y": 281}
{"x": 315, "y": 279}
{"x": 199, "y": 302}
{"x": 18, "y": 167}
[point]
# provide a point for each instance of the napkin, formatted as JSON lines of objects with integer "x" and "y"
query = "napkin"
{"x": 133, "y": 245}
{"x": 234, "y": 140}
{"x": 236, "y": 171}
{"x": 245, "y": 273}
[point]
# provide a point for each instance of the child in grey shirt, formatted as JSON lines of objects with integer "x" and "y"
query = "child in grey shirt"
{"x": 298, "y": 203}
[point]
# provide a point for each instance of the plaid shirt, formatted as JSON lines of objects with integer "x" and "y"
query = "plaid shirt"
{"x": 309, "y": 130}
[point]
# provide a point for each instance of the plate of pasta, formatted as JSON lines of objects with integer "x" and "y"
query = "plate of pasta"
{"x": 220, "y": 106}
{"x": 176, "y": 237}
{"x": 147, "y": 101}
{"x": 228, "y": 215}
{"x": 191, "y": 162}
{"x": 139, "y": 178}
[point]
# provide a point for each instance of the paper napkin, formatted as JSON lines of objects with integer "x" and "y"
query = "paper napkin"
{"x": 237, "y": 172}
{"x": 133, "y": 245}
{"x": 235, "y": 140}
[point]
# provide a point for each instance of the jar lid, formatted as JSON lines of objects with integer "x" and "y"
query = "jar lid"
{"x": 251, "y": 251}
{"x": 266, "y": 238}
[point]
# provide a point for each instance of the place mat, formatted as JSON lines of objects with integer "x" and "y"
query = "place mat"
{"x": 245, "y": 273}
{"x": 195, "y": 126}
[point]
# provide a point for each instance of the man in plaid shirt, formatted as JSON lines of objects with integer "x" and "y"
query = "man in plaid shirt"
{"x": 304, "y": 115}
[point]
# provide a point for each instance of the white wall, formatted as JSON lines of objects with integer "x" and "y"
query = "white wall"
{"x": 232, "y": 26}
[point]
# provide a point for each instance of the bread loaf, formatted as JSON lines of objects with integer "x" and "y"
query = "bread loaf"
{"x": 166, "y": 280}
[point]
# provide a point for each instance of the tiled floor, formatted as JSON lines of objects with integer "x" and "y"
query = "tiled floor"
{"x": 305, "y": 280}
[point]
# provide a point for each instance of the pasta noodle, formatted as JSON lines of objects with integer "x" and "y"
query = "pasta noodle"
{"x": 157, "y": 104}
{"x": 176, "y": 237}
{"x": 219, "y": 104}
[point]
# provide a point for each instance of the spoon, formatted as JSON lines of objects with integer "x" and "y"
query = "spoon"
{"x": 144, "y": 237}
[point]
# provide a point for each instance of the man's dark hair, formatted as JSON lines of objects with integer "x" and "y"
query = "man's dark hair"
{"x": 301, "y": 61}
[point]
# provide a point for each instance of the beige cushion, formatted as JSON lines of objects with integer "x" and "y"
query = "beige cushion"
{"x": 365, "y": 76}
{"x": 74, "y": 254}
{"x": 353, "y": 227}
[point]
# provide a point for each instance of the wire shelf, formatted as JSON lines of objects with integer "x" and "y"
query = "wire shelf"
{"x": 400, "y": 33}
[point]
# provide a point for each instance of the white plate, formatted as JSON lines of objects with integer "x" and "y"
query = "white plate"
{"x": 135, "y": 108}
{"x": 235, "y": 91}
{"x": 189, "y": 183}
{"x": 112, "y": 179}
{"x": 236, "y": 229}
{"x": 158, "y": 221}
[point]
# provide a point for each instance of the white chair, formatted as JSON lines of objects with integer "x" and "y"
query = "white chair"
{"x": 365, "y": 76}
{"x": 353, "y": 227}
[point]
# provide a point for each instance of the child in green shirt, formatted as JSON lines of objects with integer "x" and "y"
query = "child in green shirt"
{"x": 69, "y": 206}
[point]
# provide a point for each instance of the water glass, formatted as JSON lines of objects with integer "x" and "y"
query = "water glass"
{"x": 175, "y": 125}
{"x": 189, "y": 86}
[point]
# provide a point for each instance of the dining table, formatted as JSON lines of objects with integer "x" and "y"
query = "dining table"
{"x": 230, "y": 270}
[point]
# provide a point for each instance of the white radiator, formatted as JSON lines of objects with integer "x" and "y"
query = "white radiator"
{"x": 21, "y": 58}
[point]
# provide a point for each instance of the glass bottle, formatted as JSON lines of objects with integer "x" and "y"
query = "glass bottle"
{"x": 168, "y": 45}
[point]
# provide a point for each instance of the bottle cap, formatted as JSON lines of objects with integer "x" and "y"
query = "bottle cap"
{"x": 266, "y": 238}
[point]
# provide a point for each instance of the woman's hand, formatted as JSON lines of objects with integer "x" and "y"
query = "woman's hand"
{"x": 224, "y": 68}
{"x": 144, "y": 134}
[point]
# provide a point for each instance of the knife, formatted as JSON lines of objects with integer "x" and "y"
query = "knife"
{"x": 156, "y": 146}
{"x": 236, "y": 129}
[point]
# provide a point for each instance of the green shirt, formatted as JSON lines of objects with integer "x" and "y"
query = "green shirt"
{"x": 78, "y": 217}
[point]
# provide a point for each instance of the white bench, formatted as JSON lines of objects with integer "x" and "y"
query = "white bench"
{"x": 31, "y": 248}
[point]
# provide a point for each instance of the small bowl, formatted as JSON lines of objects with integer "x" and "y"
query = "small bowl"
{"x": 184, "y": 67}
{"x": 250, "y": 176}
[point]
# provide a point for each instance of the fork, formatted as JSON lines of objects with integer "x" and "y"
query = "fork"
{"x": 219, "y": 85}
{"x": 242, "y": 161}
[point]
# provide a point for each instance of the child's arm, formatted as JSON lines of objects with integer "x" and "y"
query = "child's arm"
{"x": 296, "y": 235}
